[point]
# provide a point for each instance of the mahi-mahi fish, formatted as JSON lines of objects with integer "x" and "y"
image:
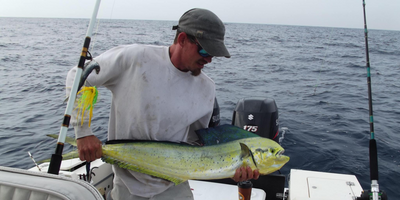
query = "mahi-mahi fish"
{"x": 178, "y": 162}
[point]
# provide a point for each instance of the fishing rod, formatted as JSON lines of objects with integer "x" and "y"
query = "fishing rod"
{"x": 56, "y": 158}
{"x": 375, "y": 193}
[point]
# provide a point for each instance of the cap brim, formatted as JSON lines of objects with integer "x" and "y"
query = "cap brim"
{"x": 214, "y": 47}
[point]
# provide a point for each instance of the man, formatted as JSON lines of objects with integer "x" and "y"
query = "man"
{"x": 158, "y": 93}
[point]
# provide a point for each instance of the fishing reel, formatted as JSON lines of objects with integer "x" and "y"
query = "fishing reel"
{"x": 368, "y": 195}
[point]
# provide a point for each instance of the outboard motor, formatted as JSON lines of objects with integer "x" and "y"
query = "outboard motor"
{"x": 258, "y": 116}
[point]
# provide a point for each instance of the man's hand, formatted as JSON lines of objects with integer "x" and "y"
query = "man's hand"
{"x": 245, "y": 173}
{"x": 89, "y": 148}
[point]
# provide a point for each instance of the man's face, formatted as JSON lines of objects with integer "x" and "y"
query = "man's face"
{"x": 193, "y": 60}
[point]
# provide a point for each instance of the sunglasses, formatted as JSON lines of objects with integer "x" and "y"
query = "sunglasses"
{"x": 202, "y": 52}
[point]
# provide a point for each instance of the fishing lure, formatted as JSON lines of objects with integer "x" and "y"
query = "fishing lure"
{"x": 86, "y": 101}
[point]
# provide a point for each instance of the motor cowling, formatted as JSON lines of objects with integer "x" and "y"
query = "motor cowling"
{"x": 257, "y": 115}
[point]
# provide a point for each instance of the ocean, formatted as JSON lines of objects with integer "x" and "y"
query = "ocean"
{"x": 316, "y": 75}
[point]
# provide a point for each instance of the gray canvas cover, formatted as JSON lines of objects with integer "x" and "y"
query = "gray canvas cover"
{"x": 19, "y": 184}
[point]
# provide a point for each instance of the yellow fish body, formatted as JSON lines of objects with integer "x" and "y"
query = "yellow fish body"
{"x": 180, "y": 162}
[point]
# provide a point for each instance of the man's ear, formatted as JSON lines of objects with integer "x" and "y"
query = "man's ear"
{"x": 182, "y": 39}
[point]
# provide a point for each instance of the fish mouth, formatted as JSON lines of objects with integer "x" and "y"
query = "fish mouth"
{"x": 282, "y": 158}
{"x": 279, "y": 153}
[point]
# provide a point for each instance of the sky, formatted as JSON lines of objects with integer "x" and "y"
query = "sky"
{"x": 381, "y": 14}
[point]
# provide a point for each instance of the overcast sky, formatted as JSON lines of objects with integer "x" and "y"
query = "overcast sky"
{"x": 381, "y": 14}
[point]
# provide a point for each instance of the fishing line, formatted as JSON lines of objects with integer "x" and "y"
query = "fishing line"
{"x": 112, "y": 9}
{"x": 324, "y": 62}
{"x": 319, "y": 78}
{"x": 95, "y": 35}
{"x": 97, "y": 27}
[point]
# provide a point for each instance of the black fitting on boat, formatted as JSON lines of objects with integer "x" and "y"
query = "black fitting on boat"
{"x": 56, "y": 158}
{"x": 367, "y": 195}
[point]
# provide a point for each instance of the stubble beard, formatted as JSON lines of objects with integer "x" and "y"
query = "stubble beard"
{"x": 195, "y": 72}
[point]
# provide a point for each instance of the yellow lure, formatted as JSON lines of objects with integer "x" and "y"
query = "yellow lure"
{"x": 86, "y": 102}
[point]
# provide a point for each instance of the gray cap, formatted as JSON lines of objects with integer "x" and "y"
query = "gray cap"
{"x": 207, "y": 28}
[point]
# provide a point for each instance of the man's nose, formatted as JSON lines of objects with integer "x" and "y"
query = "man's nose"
{"x": 208, "y": 59}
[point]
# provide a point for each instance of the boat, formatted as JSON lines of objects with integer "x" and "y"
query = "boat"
{"x": 257, "y": 115}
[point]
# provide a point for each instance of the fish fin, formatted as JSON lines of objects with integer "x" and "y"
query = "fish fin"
{"x": 246, "y": 152}
{"x": 70, "y": 155}
{"x": 132, "y": 167}
{"x": 66, "y": 156}
{"x": 176, "y": 181}
{"x": 68, "y": 140}
{"x": 222, "y": 134}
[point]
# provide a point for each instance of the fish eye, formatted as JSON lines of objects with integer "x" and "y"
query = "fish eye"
{"x": 272, "y": 150}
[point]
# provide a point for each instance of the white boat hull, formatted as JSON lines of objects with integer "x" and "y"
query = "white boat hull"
{"x": 303, "y": 184}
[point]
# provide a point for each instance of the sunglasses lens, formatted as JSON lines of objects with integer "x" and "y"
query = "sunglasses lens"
{"x": 204, "y": 53}
{"x": 201, "y": 51}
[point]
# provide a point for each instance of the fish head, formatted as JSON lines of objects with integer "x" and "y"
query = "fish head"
{"x": 269, "y": 157}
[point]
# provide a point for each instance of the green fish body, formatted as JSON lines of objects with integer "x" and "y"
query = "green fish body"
{"x": 226, "y": 149}
{"x": 180, "y": 162}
